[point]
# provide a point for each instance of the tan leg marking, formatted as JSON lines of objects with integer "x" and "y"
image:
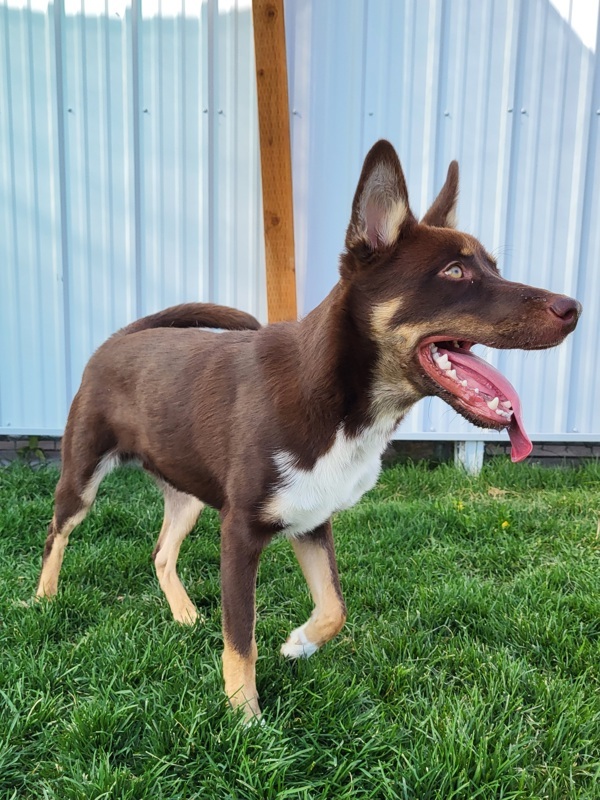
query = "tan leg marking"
{"x": 181, "y": 512}
{"x": 239, "y": 673}
{"x": 57, "y": 540}
{"x": 329, "y": 614}
{"x": 54, "y": 553}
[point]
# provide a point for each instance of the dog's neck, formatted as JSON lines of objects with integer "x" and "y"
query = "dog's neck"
{"x": 336, "y": 359}
{"x": 339, "y": 365}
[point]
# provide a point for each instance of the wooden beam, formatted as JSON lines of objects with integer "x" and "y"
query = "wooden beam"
{"x": 275, "y": 157}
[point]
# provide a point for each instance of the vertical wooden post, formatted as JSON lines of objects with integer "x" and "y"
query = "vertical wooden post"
{"x": 275, "y": 157}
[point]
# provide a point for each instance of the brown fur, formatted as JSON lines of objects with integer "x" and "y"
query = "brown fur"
{"x": 207, "y": 413}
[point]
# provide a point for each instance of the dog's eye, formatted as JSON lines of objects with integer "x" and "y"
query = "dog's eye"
{"x": 454, "y": 271}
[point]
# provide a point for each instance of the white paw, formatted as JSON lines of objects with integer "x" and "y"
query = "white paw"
{"x": 298, "y": 646}
{"x": 253, "y": 721}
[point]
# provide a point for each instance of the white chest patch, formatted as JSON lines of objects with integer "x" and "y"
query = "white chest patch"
{"x": 307, "y": 498}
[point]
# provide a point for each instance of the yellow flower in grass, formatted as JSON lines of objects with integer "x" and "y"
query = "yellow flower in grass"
{"x": 506, "y": 524}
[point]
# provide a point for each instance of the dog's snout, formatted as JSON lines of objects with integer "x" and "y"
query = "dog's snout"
{"x": 566, "y": 309}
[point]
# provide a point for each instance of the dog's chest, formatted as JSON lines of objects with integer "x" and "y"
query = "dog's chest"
{"x": 305, "y": 499}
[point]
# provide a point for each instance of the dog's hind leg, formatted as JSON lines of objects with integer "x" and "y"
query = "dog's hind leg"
{"x": 181, "y": 512}
{"x": 316, "y": 556}
{"x": 73, "y": 499}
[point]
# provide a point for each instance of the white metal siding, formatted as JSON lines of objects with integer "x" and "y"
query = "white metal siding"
{"x": 130, "y": 180}
{"x": 32, "y": 344}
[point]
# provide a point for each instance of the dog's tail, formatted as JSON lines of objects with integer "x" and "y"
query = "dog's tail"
{"x": 194, "y": 315}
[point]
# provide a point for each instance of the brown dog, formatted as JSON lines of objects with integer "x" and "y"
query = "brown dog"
{"x": 278, "y": 427}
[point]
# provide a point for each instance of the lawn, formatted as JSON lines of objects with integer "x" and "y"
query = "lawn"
{"x": 469, "y": 666}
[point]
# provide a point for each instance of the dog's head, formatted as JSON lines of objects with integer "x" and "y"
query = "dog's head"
{"x": 426, "y": 293}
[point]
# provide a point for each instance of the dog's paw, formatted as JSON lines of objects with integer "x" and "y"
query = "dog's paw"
{"x": 254, "y": 721}
{"x": 298, "y": 646}
{"x": 246, "y": 709}
{"x": 188, "y": 616}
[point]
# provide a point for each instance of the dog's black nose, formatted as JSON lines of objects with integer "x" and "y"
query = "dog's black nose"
{"x": 566, "y": 309}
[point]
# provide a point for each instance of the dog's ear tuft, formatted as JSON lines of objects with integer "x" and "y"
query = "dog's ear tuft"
{"x": 380, "y": 209}
{"x": 442, "y": 213}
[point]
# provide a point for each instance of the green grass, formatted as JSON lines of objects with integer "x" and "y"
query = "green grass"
{"x": 469, "y": 667}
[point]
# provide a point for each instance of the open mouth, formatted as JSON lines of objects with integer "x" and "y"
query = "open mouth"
{"x": 479, "y": 392}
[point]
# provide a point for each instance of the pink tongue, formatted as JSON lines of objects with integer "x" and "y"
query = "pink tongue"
{"x": 521, "y": 443}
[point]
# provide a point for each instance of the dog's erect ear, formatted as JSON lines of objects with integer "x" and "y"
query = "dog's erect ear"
{"x": 442, "y": 213}
{"x": 380, "y": 208}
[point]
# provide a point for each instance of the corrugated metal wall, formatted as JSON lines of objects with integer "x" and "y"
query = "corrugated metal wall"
{"x": 129, "y": 169}
{"x": 129, "y": 181}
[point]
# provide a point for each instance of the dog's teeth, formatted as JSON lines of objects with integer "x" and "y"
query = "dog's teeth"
{"x": 506, "y": 404}
{"x": 456, "y": 344}
{"x": 444, "y": 362}
{"x": 506, "y": 414}
{"x": 452, "y": 374}
{"x": 476, "y": 390}
{"x": 463, "y": 383}
{"x": 493, "y": 404}
{"x": 433, "y": 348}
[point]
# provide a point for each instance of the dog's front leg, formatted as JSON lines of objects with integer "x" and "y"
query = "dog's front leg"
{"x": 240, "y": 552}
{"x": 316, "y": 555}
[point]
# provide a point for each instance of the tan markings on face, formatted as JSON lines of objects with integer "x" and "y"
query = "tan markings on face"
{"x": 239, "y": 674}
{"x": 382, "y": 315}
{"x": 396, "y": 344}
{"x": 409, "y": 335}
{"x": 393, "y": 393}
{"x": 329, "y": 614}
{"x": 469, "y": 245}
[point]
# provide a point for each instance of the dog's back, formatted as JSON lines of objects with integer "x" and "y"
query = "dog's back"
{"x": 155, "y": 388}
